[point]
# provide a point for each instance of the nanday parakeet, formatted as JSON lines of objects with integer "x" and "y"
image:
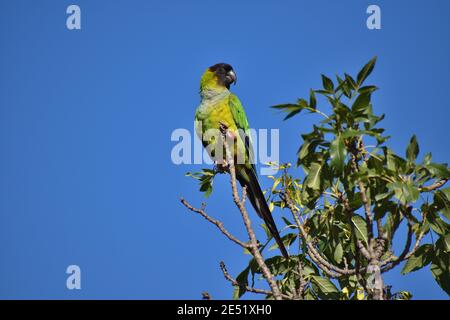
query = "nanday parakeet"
{"x": 221, "y": 107}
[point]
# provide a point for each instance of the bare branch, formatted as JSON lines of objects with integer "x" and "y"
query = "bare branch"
{"x": 241, "y": 206}
{"x": 416, "y": 245}
{"x": 302, "y": 281}
{"x": 363, "y": 250}
{"x": 433, "y": 186}
{"x": 235, "y": 283}
{"x": 244, "y": 195}
{"x": 394, "y": 261}
{"x": 380, "y": 232}
{"x": 217, "y": 223}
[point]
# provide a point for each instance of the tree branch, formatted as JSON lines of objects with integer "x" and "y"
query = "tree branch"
{"x": 235, "y": 283}
{"x": 394, "y": 261}
{"x": 253, "y": 248}
{"x": 330, "y": 269}
{"x": 433, "y": 186}
{"x": 359, "y": 148}
{"x": 217, "y": 223}
{"x": 302, "y": 282}
{"x": 206, "y": 296}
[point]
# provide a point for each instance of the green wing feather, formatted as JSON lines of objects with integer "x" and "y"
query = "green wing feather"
{"x": 240, "y": 119}
{"x": 238, "y": 112}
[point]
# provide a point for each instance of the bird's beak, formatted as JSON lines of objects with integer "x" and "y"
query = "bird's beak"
{"x": 233, "y": 76}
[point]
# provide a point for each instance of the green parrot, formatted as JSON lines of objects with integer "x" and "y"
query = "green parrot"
{"x": 219, "y": 107}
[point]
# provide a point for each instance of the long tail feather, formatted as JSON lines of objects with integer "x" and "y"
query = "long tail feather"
{"x": 248, "y": 179}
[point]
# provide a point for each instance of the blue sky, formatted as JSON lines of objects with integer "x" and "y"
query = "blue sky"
{"x": 86, "y": 117}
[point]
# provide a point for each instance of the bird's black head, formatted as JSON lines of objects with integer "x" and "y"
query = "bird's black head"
{"x": 225, "y": 74}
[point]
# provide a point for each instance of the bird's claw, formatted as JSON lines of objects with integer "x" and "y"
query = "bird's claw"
{"x": 222, "y": 166}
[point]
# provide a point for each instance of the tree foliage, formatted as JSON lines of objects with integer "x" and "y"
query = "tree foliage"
{"x": 344, "y": 214}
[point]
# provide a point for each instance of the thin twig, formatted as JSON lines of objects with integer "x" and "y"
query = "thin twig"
{"x": 433, "y": 186}
{"x": 206, "y": 296}
{"x": 363, "y": 250}
{"x": 235, "y": 283}
{"x": 406, "y": 254}
{"x": 217, "y": 223}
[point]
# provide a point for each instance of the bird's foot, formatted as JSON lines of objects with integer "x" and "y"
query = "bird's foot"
{"x": 222, "y": 166}
{"x": 223, "y": 127}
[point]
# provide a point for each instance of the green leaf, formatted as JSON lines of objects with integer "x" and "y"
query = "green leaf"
{"x": 444, "y": 242}
{"x": 393, "y": 220}
{"x": 427, "y": 158}
{"x": 304, "y": 150}
{"x": 350, "y": 133}
{"x": 291, "y": 109}
{"x": 288, "y": 223}
{"x": 421, "y": 258}
{"x": 360, "y": 228}
{"x": 323, "y": 92}
{"x": 351, "y": 81}
{"x": 405, "y": 192}
{"x": 327, "y": 84}
{"x": 367, "y": 89}
{"x": 324, "y": 285}
{"x": 413, "y": 149}
{"x": 267, "y": 231}
{"x": 312, "y": 99}
{"x": 242, "y": 279}
{"x": 382, "y": 196}
{"x": 442, "y": 201}
{"x": 206, "y": 179}
{"x": 403, "y": 295}
{"x": 344, "y": 86}
{"x": 206, "y": 188}
{"x": 287, "y": 240}
{"x": 361, "y": 103}
{"x": 437, "y": 224}
{"x": 366, "y": 71}
{"x": 355, "y": 200}
{"x": 277, "y": 265}
{"x": 394, "y": 162}
{"x": 313, "y": 178}
{"x": 286, "y": 106}
{"x": 439, "y": 170}
{"x": 338, "y": 154}
{"x": 338, "y": 253}
{"x": 446, "y": 192}
{"x": 440, "y": 269}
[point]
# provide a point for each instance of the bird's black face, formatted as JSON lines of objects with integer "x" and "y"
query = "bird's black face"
{"x": 225, "y": 74}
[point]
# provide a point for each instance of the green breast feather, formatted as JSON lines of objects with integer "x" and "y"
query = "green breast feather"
{"x": 229, "y": 111}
